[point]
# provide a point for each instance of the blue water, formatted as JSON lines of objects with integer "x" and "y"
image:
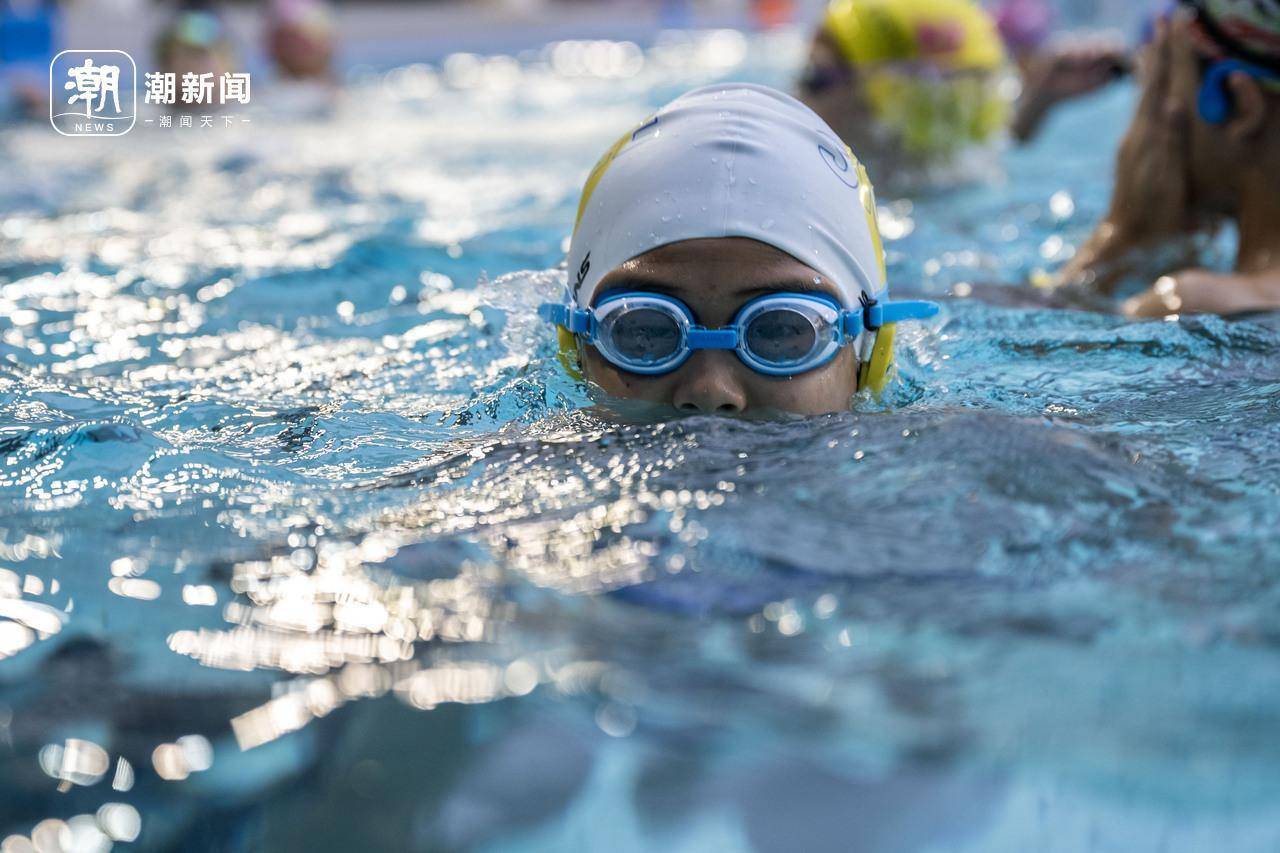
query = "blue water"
{"x": 306, "y": 543}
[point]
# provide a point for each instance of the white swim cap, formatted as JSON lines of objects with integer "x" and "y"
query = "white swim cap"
{"x": 732, "y": 160}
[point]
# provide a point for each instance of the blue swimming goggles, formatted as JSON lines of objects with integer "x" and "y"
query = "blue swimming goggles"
{"x": 779, "y": 334}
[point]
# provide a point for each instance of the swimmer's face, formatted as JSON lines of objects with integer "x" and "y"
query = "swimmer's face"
{"x": 301, "y": 53}
{"x": 716, "y": 277}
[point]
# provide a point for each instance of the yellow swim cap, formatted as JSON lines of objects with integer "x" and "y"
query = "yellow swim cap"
{"x": 955, "y": 35}
{"x": 929, "y": 69}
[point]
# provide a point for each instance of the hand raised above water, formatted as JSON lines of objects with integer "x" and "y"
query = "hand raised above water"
{"x": 1153, "y": 202}
{"x": 1076, "y": 69}
{"x": 1153, "y": 198}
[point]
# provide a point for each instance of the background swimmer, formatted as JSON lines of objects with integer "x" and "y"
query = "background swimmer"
{"x": 754, "y": 282}
{"x": 28, "y": 36}
{"x": 1203, "y": 149}
{"x": 195, "y": 42}
{"x": 300, "y": 39}
{"x": 915, "y": 84}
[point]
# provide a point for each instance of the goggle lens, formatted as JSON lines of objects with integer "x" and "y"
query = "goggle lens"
{"x": 645, "y": 335}
{"x": 780, "y": 337}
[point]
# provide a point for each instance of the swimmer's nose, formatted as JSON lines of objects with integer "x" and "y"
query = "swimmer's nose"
{"x": 708, "y": 384}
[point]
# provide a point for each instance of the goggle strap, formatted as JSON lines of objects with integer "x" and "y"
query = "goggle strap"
{"x": 852, "y": 323}
{"x": 576, "y": 320}
{"x": 909, "y": 309}
{"x": 873, "y": 314}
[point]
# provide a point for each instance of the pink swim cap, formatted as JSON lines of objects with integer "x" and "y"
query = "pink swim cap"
{"x": 1024, "y": 24}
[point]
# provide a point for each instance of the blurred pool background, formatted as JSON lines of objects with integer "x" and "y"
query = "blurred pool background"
{"x": 306, "y": 543}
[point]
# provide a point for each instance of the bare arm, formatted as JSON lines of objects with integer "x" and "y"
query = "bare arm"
{"x": 1204, "y": 292}
{"x": 1062, "y": 74}
{"x": 1152, "y": 213}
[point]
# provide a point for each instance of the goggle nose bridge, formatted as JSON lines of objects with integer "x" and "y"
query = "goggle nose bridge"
{"x": 700, "y": 338}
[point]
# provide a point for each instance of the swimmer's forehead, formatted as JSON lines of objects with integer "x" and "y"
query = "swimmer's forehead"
{"x": 719, "y": 267}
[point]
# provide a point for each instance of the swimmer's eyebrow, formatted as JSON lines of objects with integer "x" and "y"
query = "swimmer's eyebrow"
{"x": 790, "y": 285}
{"x": 668, "y": 288}
{"x": 640, "y": 282}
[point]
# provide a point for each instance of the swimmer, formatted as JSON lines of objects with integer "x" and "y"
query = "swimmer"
{"x": 28, "y": 33}
{"x": 1203, "y": 148}
{"x": 914, "y": 84}
{"x": 195, "y": 42}
{"x": 300, "y": 39}
{"x": 726, "y": 260}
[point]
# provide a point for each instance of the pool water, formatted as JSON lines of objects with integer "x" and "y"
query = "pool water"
{"x": 307, "y": 543}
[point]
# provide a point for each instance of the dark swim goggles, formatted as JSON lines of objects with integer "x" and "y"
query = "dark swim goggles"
{"x": 779, "y": 334}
